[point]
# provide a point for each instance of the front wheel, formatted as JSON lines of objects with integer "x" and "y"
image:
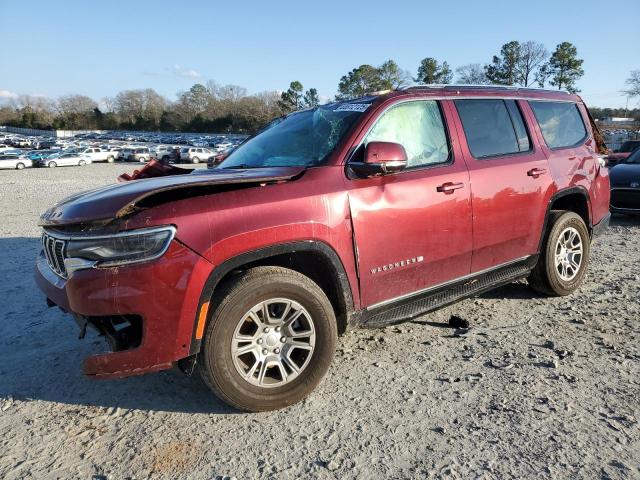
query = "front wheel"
{"x": 110, "y": 159}
{"x": 564, "y": 257}
{"x": 52, "y": 164}
{"x": 20, "y": 166}
{"x": 269, "y": 341}
{"x": 82, "y": 163}
{"x": 195, "y": 160}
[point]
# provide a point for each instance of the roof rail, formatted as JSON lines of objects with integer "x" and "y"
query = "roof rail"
{"x": 452, "y": 86}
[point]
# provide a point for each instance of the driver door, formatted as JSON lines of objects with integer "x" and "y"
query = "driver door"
{"x": 412, "y": 229}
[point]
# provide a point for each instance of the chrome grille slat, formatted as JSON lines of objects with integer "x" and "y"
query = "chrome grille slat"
{"x": 54, "y": 252}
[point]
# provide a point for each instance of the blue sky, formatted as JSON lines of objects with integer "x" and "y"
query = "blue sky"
{"x": 99, "y": 48}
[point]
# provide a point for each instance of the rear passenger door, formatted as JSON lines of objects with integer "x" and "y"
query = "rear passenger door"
{"x": 510, "y": 180}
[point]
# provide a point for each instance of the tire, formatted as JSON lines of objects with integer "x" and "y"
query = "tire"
{"x": 52, "y": 164}
{"x": 20, "y": 166}
{"x": 195, "y": 160}
{"x": 110, "y": 159}
{"x": 82, "y": 163}
{"x": 165, "y": 158}
{"x": 547, "y": 277}
{"x": 218, "y": 366}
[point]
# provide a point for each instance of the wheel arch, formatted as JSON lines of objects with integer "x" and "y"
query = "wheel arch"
{"x": 312, "y": 258}
{"x": 574, "y": 199}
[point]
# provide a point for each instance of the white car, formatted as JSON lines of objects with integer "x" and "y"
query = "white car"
{"x": 66, "y": 160}
{"x": 99, "y": 154}
{"x": 195, "y": 154}
{"x": 15, "y": 163}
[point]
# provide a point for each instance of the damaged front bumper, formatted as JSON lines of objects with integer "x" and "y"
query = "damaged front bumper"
{"x": 146, "y": 311}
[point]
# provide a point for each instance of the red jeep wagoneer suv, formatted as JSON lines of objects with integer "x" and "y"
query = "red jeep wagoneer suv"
{"x": 358, "y": 213}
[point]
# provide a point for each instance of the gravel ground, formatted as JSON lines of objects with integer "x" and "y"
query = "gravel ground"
{"x": 536, "y": 388}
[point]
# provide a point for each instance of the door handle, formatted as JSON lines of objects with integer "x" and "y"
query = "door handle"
{"x": 449, "y": 187}
{"x": 536, "y": 172}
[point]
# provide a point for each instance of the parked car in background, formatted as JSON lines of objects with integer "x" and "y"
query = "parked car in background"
{"x": 141, "y": 154}
{"x": 625, "y": 185}
{"x": 195, "y": 154}
{"x": 623, "y": 152}
{"x": 98, "y": 154}
{"x": 65, "y": 160}
{"x": 15, "y": 162}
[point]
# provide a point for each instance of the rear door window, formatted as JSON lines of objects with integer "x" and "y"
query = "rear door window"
{"x": 560, "y": 122}
{"x": 493, "y": 127}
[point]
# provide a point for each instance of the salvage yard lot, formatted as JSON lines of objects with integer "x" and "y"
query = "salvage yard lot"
{"x": 536, "y": 388}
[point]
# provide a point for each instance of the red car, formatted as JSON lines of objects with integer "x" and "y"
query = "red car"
{"x": 359, "y": 213}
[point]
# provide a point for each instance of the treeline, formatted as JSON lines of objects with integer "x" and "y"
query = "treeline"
{"x": 229, "y": 108}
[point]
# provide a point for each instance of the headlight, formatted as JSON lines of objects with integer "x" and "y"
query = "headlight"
{"x": 122, "y": 248}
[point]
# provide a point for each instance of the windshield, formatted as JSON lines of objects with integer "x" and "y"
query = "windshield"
{"x": 634, "y": 157}
{"x": 628, "y": 146}
{"x": 301, "y": 139}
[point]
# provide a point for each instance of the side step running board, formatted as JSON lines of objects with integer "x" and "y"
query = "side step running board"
{"x": 439, "y": 297}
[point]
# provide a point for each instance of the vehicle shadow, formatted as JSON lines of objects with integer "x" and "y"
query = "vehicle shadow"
{"x": 41, "y": 356}
{"x": 618, "y": 220}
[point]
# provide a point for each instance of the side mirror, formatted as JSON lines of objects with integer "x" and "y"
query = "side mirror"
{"x": 380, "y": 158}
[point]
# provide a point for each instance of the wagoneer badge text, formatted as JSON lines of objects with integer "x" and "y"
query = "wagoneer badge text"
{"x": 401, "y": 263}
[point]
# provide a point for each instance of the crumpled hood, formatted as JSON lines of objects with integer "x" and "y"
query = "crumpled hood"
{"x": 117, "y": 200}
{"x": 623, "y": 174}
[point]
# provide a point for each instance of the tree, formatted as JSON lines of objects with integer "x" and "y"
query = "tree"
{"x": 77, "y": 111}
{"x": 392, "y": 76}
{"x": 472, "y": 74}
{"x": 358, "y": 82}
{"x": 291, "y": 100}
{"x": 532, "y": 57}
{"x": 431, "y": 72}
{"x": 634, "y": 84}
{"x": 311, "y": 98}
{"x": 565, "y": 68}
{"x": 503, "y": 69}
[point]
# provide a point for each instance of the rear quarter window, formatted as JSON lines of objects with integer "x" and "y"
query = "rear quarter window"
{"x": 560, "y": 122}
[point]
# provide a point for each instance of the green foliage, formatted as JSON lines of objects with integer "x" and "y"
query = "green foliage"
{"x": 565, "y": 68}
{"x": 291, "y": 100}
{"x": 358, "y": 82}
{"x": 311, "y": 98}
{"x": 503, "y": 69}
{"x": 431, "y": 72}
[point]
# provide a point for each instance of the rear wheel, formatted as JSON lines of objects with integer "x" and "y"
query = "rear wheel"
{"x": 269, "y": 341}
{"x": 52, "y": 164}
{"x": 564, "y": 257}
{"x": 82, "y": 163}
{"x": 195, "y": 160}
{"x": 20, "y": 166}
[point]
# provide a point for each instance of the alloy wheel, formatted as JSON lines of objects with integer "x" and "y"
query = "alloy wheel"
{"x": 273, "y": 342}
{"x": 568, "y": 254}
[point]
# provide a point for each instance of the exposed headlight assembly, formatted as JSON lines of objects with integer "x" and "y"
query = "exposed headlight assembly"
{"x": 118, "y": 249}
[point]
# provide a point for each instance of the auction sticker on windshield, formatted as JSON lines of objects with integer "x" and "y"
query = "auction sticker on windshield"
{"x": 353, "y": 107}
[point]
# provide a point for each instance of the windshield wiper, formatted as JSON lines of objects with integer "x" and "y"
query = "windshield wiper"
{"x": 242, "y": 166}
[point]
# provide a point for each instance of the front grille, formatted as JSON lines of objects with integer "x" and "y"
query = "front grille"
{"x": 625, "y": 198}
{"x": 54, "y": 251}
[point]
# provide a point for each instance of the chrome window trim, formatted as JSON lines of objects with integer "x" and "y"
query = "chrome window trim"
{"x": 444, "y": 284}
